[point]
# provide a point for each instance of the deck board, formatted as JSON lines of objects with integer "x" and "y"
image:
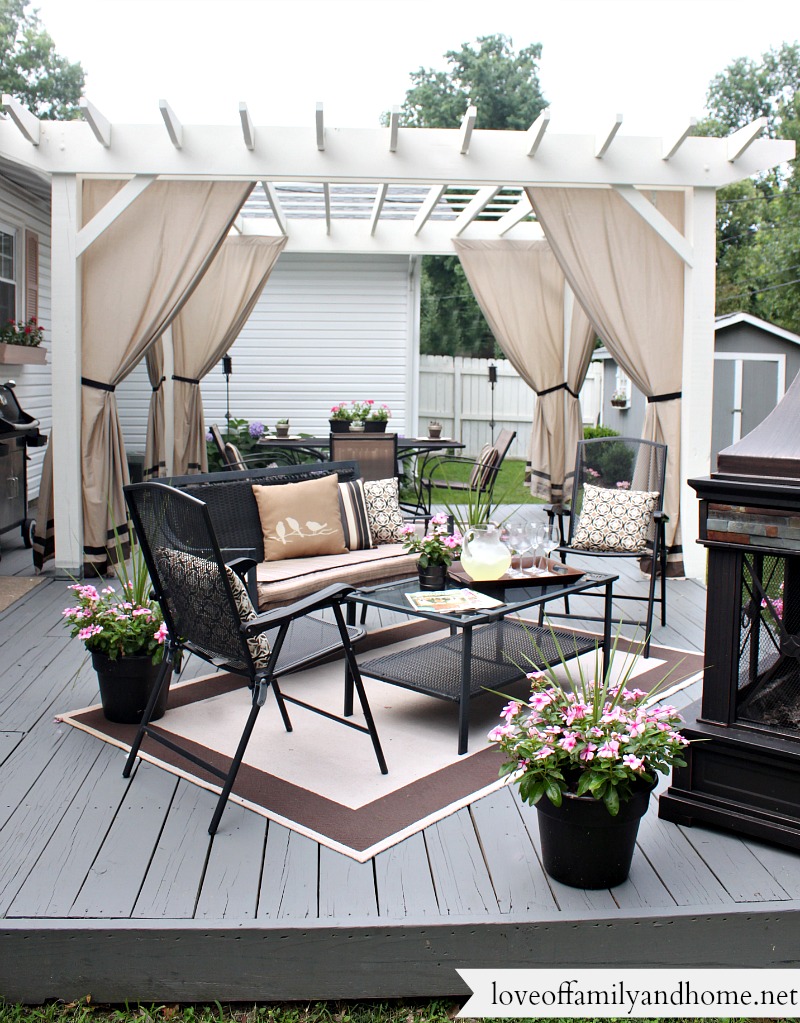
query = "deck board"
{"x": 123, "y": 876}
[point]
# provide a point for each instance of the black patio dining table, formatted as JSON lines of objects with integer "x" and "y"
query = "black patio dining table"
{"x": 318, "y": 447}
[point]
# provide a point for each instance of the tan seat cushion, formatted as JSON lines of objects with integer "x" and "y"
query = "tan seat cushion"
{"x": 281, "y": 583}
{"x": 300, "y": 520}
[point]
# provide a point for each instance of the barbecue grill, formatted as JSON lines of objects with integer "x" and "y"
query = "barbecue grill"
{"x": 18, "y": 430}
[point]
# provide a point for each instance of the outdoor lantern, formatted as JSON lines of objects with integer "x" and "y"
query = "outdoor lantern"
{"x": 743, "y": 772}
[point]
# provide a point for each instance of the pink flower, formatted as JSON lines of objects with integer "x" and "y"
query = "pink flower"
{"x": 89, "y": 631}
{"x": 609, "y": 749}
{"x": 162, "y": 633}
{"x": 510, "y": 710}
{"x": 568, "y": 743}
{"x": 635, "y": 763}
{"x": 623, "y": 485}
{"x": 544, "y": 753}
{"x": 587, "y": 753}
{"x": 500, "y": 732}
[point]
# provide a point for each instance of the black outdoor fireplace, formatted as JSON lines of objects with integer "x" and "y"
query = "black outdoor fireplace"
{"x": 745, "y": 773}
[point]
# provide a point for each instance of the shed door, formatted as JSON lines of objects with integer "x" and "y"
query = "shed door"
{"x": 747, "y": 387}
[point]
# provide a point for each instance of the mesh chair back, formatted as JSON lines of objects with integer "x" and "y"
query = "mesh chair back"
{"x": 618, "y": 463}
{"x": 187, "y": 571}
{"x": 233, "y": 456}
{"x": 376, "y": 453}
{"x": 219, "y": 443}
{"x": 489, "y": 460}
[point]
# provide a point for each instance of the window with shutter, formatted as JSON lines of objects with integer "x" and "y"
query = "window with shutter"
{"x": 8, "y": 277}
{"x": 31, "y": 275}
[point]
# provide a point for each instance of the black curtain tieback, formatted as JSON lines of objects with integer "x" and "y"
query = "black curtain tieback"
{"x": 665, "y": 397}
{"x": 558, "y": 387}
{"x": 185, "y": 380}
{"x": 158, "y": 385}
{"x": 98, "y": 384}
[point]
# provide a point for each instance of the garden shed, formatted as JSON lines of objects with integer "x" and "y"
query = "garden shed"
{"x": 651, "y": 200}
{"x": 754, "y": 364}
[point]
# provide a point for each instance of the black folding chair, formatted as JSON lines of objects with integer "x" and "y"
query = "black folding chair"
{"x": 208, "y": 612}
{"x": 627, "y": 467}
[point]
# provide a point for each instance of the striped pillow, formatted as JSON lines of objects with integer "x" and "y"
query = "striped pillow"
{"x": 357, "y": 534}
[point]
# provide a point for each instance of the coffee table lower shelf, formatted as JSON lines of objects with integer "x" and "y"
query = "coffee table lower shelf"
{"x": 466, "y": 664}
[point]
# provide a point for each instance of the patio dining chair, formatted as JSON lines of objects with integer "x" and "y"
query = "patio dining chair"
{"x": 208, "y": 612}
{"x": 376, "y": 453}
{"x": 617, "y": 511}
{"x": 443, "y": 472}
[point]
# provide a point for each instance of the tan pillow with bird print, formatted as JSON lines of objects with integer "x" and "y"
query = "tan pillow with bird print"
{"x": 299, "y": 520}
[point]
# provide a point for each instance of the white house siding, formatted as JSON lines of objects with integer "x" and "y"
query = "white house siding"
{"x": 326, "y": 329}
{"x": 21, "y": 211}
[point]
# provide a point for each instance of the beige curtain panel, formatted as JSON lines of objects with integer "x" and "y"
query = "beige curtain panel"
{"x": 521, "y": 290}
{"x": 155, "y": 444}
{"x": 205, "y": 329}
{"x": 630, "y": 282}
{"x": 135, "y": 277}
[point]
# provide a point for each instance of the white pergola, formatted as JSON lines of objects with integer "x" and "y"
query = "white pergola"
{"x": 380, "y": 190}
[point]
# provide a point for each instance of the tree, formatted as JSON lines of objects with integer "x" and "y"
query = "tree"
{"x": 30, "y": 68}
{"x": 504, "y": 87}
{"x": 758, "y": 221}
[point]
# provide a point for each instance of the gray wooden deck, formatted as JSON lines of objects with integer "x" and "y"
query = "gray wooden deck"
{"x": 114, "y": 888}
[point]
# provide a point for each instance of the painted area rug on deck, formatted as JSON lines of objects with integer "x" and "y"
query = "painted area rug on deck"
{"x": 322, "y": 779}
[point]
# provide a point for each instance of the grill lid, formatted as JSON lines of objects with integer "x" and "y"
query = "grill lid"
{"x": 13, "y": 419}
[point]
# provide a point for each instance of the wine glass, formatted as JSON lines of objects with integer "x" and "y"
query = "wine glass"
{"x": 534, "y": 531}
{"x": 516, "y": 541}
{"x": 551, "y": 538}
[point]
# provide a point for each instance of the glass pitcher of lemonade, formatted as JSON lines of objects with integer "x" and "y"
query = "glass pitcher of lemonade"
{"x": 483, "y": 553}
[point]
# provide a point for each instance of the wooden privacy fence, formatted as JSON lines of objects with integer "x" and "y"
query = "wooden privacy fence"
{"x": 457, "y": 393}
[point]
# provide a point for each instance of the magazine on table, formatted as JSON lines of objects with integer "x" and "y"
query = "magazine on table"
{"x": 451, "y": 601}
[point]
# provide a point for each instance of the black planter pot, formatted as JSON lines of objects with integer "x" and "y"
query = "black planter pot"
{"x": 340, "y": 425}
{"x": 434, "y": 577}
{"x": 583, "y": 846}
{"x": 126, "y": 685}
{"x": 375, "y": 426}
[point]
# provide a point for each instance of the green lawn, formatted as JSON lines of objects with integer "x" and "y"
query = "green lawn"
{"x": 510, "y": 487}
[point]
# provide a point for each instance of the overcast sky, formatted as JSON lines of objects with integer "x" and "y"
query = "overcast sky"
{"x": 650, "y": 60}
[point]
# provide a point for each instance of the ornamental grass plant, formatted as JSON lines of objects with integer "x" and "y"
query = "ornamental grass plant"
{"x": 588, "y": 735}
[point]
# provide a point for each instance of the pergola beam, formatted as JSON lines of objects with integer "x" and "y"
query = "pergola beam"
{"x": 518, "y": 212}
{"x": 672, "y": 147}
{"x": 467, "y": 127}
{"x": 248, "y": 131}
{"x": 394, "y": 129}
{"x": 377, "y": 206}
{"x": 28, "y": 123}
{"x": 741, "y": 140}
{"x": 172, "y": 124}
{"x": 106, "y": 216}
{"x": 101, "y": 126}
{"x": 429, "y": 204}
{"x": 663, "y": 228}
{"x": 474, "y": 207}
{"x": 535, "y": 134}
{"x": 275, "y": 206}
{"x": 319, "y": 121}
{"x": 326, "y": 194}
{"x": 603, "y": 142}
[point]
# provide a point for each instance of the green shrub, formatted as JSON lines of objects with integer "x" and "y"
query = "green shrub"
{"x": 590, "y": 432}
{"x": 613, "y": 462}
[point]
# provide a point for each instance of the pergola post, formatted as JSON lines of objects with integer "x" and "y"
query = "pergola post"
{"x": 698, "y": 367}
{"x": 66, "y": 395}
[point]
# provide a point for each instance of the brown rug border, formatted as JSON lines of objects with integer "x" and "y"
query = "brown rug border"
{"x": 7, "y": 582}
{"x": 360, "y": 832}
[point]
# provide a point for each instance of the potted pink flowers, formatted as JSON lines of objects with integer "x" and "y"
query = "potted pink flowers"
{"x": 591, "y": 748}
{"x": 437, "y": 549}
{"x": 124, "y": 631}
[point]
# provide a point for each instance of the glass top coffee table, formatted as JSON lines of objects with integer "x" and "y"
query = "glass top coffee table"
{"x": 485, "y": 649}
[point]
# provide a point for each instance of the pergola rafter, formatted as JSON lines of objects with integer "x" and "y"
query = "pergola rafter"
{"x": 383, "y": 190}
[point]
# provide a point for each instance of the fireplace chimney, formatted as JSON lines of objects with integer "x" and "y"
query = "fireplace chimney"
{"x": 743, "y": 773}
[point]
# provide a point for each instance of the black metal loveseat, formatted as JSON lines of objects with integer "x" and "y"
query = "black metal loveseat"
{"x": 234, "y": 514}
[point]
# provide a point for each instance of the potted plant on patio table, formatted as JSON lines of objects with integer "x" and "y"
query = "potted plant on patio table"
{"x": 591, "y": 747}
{"x": 124, "y": 631}
{"x": 377, "y": 417}
{"x": 437, "y": 548}
{"x": 340, "y": 418}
